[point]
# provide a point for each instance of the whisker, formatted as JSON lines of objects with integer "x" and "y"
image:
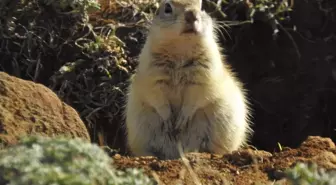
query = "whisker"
{"x": 221, "y": 26}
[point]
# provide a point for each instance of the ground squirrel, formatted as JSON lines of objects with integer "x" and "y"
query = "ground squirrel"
{"x": 183, "y": 92}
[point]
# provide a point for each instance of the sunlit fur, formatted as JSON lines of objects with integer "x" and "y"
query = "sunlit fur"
{"x": 166, "y": 91}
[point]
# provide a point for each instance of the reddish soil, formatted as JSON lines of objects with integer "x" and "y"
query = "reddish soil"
{"x": 30, "y": 108}
{"x": 243, "y": 167}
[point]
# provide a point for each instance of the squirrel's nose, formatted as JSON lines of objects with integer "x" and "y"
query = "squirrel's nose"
{"x": 190, "y": 16}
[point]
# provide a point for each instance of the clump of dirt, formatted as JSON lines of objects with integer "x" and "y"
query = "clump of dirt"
{"x": 28, "y": 108}
{"x": 242, "y": 167}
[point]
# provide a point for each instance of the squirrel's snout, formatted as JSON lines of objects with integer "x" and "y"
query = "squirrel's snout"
{"x": 190, "y": 16}
{"x": 192, "y": 22}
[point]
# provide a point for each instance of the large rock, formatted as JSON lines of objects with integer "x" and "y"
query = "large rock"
{"x": 28, "y": 108}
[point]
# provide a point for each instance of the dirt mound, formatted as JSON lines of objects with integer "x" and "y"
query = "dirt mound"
{"x": 30, "y": 108}
{"x": 241, "y": 168}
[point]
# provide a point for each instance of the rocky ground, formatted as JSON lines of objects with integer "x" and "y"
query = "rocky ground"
{"x": 243, "y": 167}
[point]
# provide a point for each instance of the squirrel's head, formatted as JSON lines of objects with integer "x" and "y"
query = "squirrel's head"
{"x": 181, "y": 18}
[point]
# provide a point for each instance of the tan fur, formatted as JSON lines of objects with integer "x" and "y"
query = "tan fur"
{"x": 184, "y": 92}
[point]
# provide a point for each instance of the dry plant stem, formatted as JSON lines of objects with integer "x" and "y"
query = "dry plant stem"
{"x": 187, "y": 165}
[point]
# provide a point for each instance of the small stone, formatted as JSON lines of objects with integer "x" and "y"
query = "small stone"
{"x": 157, "y": 166}
{"x": 278, "y": 174}
{"x": 117, "y": 156}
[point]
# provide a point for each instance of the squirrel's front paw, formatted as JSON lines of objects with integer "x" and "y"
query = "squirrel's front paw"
{"x": 181, "y": 122}
{"x": 167, "y": 125}
{"x": 184, "y": 117}
{"x": 164, "y": 112}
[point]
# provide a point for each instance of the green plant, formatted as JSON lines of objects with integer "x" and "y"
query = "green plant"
{"x": 310, "y": 174}
{"x": 61, "y": 161}
{"x": 35, "y": 32}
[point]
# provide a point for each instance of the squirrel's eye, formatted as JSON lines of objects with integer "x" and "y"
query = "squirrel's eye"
{"x": 168, "y": 9}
